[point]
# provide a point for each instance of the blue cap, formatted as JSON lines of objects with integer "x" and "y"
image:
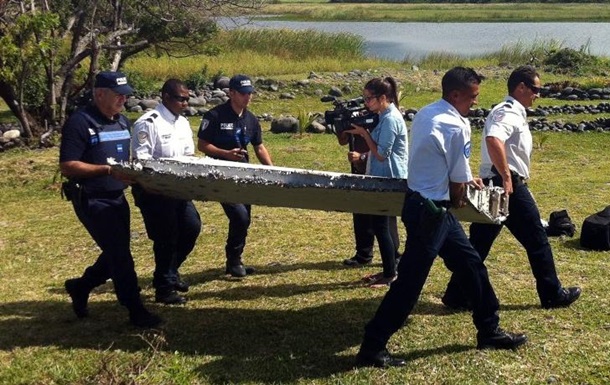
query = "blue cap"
{"x": 241, "y": 84}
{"x": 116, "y": 81}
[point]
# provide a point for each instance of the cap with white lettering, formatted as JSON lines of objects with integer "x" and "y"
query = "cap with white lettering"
{"x": 116, "y": 81}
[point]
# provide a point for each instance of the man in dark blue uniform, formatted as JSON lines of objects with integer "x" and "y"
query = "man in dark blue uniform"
{"x": 224, "y": 133}
{"x": 438, "y": 173}
{"x": 91, "y": 136}
{"x": 506, "y": 149}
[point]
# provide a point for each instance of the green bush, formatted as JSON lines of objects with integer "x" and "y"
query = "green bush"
{"x": 198, "y": 80}
{"x": 143, "y": 86}
{"x": 570, "y": 61}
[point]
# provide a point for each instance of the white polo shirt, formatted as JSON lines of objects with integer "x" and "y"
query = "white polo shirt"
{"x": 440, "y": 150}
{"x": 161, "y": 134}
{"x": 507, "y": 121}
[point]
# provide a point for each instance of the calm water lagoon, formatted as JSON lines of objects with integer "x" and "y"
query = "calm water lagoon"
{"x": 397, "y": 41}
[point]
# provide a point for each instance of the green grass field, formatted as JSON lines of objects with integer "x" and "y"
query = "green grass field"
{"x": 301, "y": 319}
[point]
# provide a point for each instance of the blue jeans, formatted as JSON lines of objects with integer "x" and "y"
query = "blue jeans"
{"x": 448, "y": 240}
{"x": 524, "y": 223}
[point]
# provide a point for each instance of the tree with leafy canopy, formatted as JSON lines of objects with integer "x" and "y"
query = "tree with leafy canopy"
{"x": 50, "y": 51}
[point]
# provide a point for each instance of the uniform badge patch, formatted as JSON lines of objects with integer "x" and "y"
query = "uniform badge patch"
{"x": 498, "y": 116}
{"x": 204, "y": 124}
{"x": 142, "y": 137}
{"x": 467, "y": 150}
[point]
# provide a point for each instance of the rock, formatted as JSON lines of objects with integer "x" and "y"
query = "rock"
{"x": 131, "y": 102}
{"x": 287, "y": 95}
{"x": 149, "y": 103}
{"x": 197, "y": 102}
{"x": 285, "y": 124}
{"x": 316, "y": 127}
{"x": 137, "y": 109}
{"x": 222, "y": 82}
{"x": 215, "y": 101}
{"x": 11, "y": 134}
{"x": 218, "y": 93}
{"x": 335, "y": 91}
{"x": 303, "y": 83}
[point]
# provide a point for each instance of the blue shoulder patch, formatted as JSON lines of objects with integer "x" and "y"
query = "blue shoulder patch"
{"x": 467, "y": 150}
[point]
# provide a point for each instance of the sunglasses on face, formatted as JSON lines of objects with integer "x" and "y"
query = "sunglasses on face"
{"x": 180, "y": 98}
{"x": 534, "y": 89}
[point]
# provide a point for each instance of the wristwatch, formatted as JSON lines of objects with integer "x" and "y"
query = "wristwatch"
{"x": 363, "y": 157}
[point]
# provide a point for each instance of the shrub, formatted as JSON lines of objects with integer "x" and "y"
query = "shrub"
{"x": 568, "y": 60}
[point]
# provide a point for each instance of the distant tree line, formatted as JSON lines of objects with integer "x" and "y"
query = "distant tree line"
{"x": 468, "y": 1}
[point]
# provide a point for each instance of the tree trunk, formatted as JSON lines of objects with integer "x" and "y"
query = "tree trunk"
{"x": 28, "y": 123}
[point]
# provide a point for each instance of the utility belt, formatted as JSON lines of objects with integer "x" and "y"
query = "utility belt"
{"x": 430, "y": 217}
{"x": 432, "y": 204}
{"x": 75, "y": 192}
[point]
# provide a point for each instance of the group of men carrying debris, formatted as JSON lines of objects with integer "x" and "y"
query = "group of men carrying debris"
{"x": 438, "y": 173}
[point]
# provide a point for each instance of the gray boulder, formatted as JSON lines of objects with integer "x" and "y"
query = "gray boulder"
{"x": 284, "y": 124}
{"x": 222, "y": 82}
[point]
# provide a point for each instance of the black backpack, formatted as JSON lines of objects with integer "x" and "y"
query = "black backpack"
{"x": 595, "y": 232}
{"x": 560, "y": 224}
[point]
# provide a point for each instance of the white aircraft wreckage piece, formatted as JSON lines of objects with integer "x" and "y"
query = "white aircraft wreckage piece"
{"x": 208, "y": 179}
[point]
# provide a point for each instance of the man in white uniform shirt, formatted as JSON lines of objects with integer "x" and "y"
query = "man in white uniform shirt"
{"x": 505, "y": 160}
{"x": 172, "y": 224}
{"x": 438, "y": 174}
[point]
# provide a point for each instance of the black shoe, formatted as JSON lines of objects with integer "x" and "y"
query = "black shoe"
{"x": 456, "y": 304}
{"x": 79, "y": 293}
{"x": 180, "y": 285}
{"x": 239, "y": 270}
{"x": 357, "y": 260}
{"x": 500, "y": 339}
{"x": 142, "y": 318}
{"x": 169, "y": 297}
{"x": 381, "y": 359}
{"x": 565, "y": 298}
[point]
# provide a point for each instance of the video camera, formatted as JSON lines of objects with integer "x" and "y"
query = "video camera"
{"x": 349, "y": 112}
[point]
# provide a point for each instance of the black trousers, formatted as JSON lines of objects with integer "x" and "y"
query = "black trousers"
{"x": 524, "y": 223}
{"x": 239, "y": 221}
{"x": 108, "y": 222}
{"x": 173, "y": 225}
{"x": 425, "y": 241}
{"x": 364, "y": 235}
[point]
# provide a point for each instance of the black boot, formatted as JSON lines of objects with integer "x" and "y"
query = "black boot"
{"x": 79, "y": 291}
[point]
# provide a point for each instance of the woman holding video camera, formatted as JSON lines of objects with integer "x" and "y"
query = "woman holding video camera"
{"x": 387, "y": 157}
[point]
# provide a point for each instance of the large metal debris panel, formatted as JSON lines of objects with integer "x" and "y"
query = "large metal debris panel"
{"x": 208, "y": 179}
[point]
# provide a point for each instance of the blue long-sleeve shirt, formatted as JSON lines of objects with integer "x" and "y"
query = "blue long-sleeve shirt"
{"x": 392, "y": 144}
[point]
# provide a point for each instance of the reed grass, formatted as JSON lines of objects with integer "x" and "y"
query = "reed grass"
{"x": 428, "y": 12}
{"x": 264, "y": 53}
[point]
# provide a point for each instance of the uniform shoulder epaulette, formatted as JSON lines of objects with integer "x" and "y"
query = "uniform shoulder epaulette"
{"x": 508, "y": 104}
{"x": 152, "y": 117}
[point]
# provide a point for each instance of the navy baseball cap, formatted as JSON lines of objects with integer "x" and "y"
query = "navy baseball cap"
{"x": 116, "y": 81}
{"x": 241, "y": 84}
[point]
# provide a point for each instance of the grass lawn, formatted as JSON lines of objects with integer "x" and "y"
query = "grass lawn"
{"x": 300, "y": 320}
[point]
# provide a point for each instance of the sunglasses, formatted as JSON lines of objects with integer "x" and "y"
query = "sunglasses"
{"x": 179, "y": 98}
{"x": 534, "y": 89}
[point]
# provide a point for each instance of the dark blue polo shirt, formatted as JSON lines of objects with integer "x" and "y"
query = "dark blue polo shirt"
{"x": 223, "y": 128}
{"x": 90, "y": 137}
